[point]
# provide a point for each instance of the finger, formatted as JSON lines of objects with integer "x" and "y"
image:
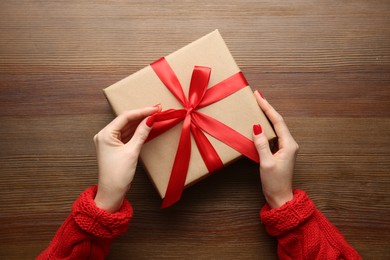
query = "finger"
{"x": 139, "y": 137}
{"x": 276, "y": 119}
{"x": 137, "y": 114}
{"x": 261, "y": 144}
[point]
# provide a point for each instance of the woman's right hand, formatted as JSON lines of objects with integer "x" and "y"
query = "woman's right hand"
{"x": 118, "y": 146}
{"x": 276, "y": 169}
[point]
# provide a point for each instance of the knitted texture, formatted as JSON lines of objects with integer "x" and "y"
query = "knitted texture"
{"x": 88, "y": 232}
{"x": 303, "y": 232}
{"x": 291, "y": 214}
{"x": 99, "y": 222}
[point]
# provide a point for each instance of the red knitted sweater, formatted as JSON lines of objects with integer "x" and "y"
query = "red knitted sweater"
{"x": 302, "y": 231}
{"x": 88, "y": 232}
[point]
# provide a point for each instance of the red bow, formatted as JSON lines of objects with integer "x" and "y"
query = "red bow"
{"x": 196, "y": 122}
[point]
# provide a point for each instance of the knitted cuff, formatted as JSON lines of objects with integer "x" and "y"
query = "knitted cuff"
{"x": 281, "y": 220}
{"x": 99, "y": 222}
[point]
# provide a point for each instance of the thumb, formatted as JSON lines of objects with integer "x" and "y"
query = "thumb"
{"x": 140, "y": 134}
{"x": 261, "y": 144}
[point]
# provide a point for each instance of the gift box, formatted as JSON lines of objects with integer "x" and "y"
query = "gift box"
{"x": 208, "y": 114}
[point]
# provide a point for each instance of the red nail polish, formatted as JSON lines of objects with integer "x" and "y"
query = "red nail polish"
{"x": 150, "y": 121}
{"x": 159, "y": 107}
{"x": 261, "y": 95}
{"x": 257, "y": 129}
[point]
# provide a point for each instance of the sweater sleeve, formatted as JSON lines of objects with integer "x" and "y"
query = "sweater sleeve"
{"x": 88, "y": 231}
{"x": 303, "y": 232}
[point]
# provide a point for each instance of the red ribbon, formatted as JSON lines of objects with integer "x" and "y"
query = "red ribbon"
{"x": 196, "y": 122}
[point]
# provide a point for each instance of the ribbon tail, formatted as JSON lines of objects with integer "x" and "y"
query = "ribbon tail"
{"x": 209, "y": 155}
{"x": 180, "y": 166}
{"x": 227, "y": 135}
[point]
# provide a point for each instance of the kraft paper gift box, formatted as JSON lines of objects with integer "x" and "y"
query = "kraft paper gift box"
{"x": 239, "y": 110}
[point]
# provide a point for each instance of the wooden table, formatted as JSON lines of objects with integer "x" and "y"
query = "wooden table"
{"x": 324, "y": 65}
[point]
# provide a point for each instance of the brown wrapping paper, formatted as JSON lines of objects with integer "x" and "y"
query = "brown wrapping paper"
{"x": 143, "y": 88}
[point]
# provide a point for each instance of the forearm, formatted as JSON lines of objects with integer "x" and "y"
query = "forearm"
{"x": 303, "y": 232}
{"x": 88, "y": 232}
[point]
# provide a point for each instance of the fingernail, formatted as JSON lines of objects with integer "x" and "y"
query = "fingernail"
{"x": 158, "y": 106}
{"x": 150, "y": 121}
{"x": 257, "y": 129}
{"x": 261, "y": 95}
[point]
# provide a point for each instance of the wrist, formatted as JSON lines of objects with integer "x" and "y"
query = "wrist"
{"x": 109, "y": 201}
{"x": 279, "y": 200}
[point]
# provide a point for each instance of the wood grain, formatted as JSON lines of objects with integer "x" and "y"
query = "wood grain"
{"x": 323, "y": 64}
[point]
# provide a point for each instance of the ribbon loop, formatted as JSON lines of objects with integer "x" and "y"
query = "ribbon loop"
{"x": 168, "y": 77}
{"x": 198, "y": 86}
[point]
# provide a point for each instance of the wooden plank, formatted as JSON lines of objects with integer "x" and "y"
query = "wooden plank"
{"x": 323, "y": 64}
{"x": 40, "y": 175}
